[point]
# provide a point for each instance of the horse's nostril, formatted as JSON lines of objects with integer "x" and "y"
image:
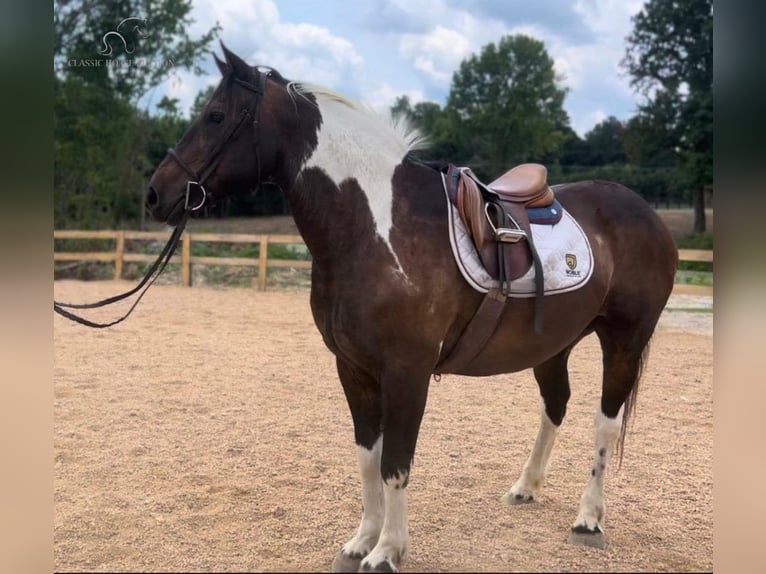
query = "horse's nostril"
{"x": 152, "y": 198}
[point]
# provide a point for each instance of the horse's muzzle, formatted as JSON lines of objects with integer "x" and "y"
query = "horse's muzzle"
{"x": 160, "y": 210}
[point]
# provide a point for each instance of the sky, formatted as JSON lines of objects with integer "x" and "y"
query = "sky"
{"x": 376, "y": 50}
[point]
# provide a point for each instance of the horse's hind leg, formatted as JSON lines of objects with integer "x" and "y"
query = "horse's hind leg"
{"x": 553, "y": 380}
{"x": 363, "y": 396}
{"x": 624, "y": 348}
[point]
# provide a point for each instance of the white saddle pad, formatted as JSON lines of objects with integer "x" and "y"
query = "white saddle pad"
{"x": 563, "y": 248}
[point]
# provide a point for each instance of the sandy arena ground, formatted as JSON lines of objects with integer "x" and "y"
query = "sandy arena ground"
{"x": 209, "y": 432}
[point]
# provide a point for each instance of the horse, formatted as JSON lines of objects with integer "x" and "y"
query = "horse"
{"x": 387, "y": 296}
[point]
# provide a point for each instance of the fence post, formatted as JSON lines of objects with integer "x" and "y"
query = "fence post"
{"x": 118, "y": 255}
{"x": 263, "y": 254}
{"x": 186, "y": 259}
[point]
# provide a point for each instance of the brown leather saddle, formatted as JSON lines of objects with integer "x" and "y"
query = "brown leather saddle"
{"x": 497, "y": 217}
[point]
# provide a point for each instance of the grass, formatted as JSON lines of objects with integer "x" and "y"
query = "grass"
{"x": 296, "y": 252}
{"x": 695, "y": 241}
{"x": 691, "y": 277}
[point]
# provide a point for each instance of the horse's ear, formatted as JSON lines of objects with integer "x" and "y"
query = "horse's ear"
{"x": 240, "y": 68}
{"x": 222, "y": 66}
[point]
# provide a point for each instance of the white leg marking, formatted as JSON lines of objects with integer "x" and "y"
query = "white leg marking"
{"x": 372, "y": 502}
{"x": 592, "y": 508}
{"x": 393, "y": 543}
{"x": 533, "y": 474}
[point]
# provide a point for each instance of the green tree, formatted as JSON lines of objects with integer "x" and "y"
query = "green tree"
{"x": 402, "y": 106}
{"x": 505, "y": 106}
{"x": 93, "y": 165}
{"x": 572, "y": 151}
{"x": 651, "y": 138}
{"x": 605, "y": 142}
{"x": 670, "y": 57}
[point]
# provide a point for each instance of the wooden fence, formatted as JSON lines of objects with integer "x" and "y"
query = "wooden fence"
{"x": 705, "y": 255}
{"x": 119, "y": 256}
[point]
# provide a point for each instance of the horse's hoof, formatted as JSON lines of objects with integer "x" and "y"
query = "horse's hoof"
{"x": 384, "y": 566}
{"x": 584, "y": 536}
{"x": 519, "y": 498}
{"x": 346, "y": 563}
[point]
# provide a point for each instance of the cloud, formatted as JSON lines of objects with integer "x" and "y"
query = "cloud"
{"x": 586, "y": 122}
{"x": 181, "y": 86}
{"x": 585, "y": 38}
{"x": 254, "y": 30}
{"x": 437, "y": 53}
{"x": 559, "y": 17}
{"x": 384, "y": 96}
{"x": 610, "y": 24}
{"x": 392, "y": 17}
{"x": 309, "y": 51}
{"x": 610, "y": 18}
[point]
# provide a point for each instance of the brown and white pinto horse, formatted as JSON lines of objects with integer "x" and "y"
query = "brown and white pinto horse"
{"x": 386, "y": 293}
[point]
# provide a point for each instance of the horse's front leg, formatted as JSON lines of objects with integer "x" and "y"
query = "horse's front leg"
{"x": 364, "y": 401}
{"x": 404, "y": 400}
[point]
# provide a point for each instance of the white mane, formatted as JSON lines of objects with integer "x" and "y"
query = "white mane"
{"x": 398, "y": 126}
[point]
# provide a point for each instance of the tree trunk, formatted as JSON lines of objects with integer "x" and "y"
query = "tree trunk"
{"x": 699, "y": 210}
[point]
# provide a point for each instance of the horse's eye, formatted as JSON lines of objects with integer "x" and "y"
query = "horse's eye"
{"x": 216, "y": 117}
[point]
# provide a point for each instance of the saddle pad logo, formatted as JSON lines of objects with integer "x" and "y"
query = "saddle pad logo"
{"x": 571, "y": 261}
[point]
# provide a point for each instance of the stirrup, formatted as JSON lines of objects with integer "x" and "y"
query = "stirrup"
{"x": 508, "y": 235}
{"x": 505, "y": 234}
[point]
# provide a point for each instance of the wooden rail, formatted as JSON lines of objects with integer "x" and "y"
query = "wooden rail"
{"x": 262, "y": 262}
{"x": 119, "y": 256}
{"x": 693, "y": 255}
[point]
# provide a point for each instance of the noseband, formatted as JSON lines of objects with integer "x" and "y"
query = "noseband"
{"x": 197, "y": 179}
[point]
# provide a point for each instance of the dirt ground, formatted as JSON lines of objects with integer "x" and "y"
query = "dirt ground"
{"x": 209, "y": 432}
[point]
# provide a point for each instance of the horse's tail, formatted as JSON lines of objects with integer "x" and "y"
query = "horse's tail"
{"x": 630, "y": 403}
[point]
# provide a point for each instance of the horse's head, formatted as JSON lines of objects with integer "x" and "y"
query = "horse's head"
{"x": 243, "y": 137}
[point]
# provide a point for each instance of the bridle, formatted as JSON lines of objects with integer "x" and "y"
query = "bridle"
{"x": 197, "y": 179}
{"x": 196, "y": 182}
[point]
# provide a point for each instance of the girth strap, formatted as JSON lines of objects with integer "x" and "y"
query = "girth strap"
{"x": 476, "y": 334}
